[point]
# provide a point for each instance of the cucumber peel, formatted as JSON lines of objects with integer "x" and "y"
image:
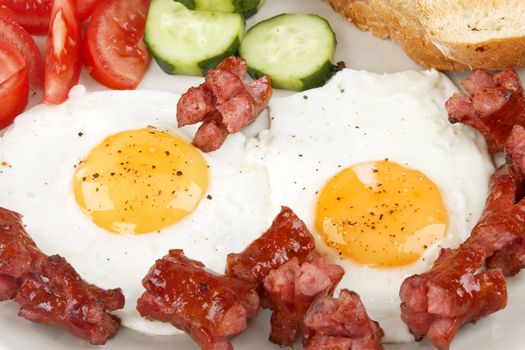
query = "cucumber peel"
{"x": 295, "y": 50}
{"x": 246, "y": 8}
{"x": 190, "y": 42}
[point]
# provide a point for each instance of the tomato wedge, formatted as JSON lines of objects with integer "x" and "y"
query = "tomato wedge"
{"x": 114, "y": 51}
{"x": 12, "y": 33}
{"x": 63, "y": 49}
{"x": 34, "y": 15}
{"x": 14, "y": 83}
{"x": 85, "y": 9}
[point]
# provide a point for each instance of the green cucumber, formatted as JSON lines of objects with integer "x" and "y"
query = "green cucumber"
{"x": 191, "y": 42}
{"x": 247, "y": 8}
{"x": 209, "y": 5}
{"x": 295, "y": 50}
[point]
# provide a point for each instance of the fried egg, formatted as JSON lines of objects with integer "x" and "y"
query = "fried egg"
{"x": 382, "y": 179}
{"x": 109, "y": 182}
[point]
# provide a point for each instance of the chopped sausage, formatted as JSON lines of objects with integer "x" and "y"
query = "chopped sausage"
{"x": 288, "y": 237}
{"x": 237, "y": 111}
{"x": 494, "y": 105}
{"x": 211, "y": 134}
{"x": 235, "y": 65}
{"x": 49, "y": 290}
{"x": 292, "y": 288}
{"x": 59, "y": 297}
{"x": 195, "y": 105}
{"x": 510, "y": 211}
{"x": 340, "y": 324}
{"x": 223, "y": 103}
{"x": 515, "y": 152}
{"x": 261, "y": 91}
{"x": 509, "y": 259}
{"x": 488, "y": 293}
{"x": 19, "y": 256}
{"x": 242, "y": 109}
{"x": 224, "y": 85}
{"x": 210, "y": 308}
{"x": 454, "y": 292}
{"x": 479, "y": 80}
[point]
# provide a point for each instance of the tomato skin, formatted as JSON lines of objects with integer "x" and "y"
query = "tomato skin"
{"x": 12, "y": 33}
{"x": 63, "y": 52}
{"x": 114, "y": 51}
{"x": 85, "y": 8}
{"x": 14, "y": 84}
{"x": 14, "y": 99}
{"x": 34, "y": 15}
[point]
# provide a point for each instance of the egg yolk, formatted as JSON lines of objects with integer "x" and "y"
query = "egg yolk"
{"x": 140, "y": 181}
{"x": 381, "y": 214}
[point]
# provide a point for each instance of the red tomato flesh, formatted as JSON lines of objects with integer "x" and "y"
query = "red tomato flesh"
{"x": 34, "y": 15}
{"x": 114, "y": 51}
{"x": 14, "y": 84}
{"x": 63, "y": 49}
{"x": 12, "y": 33}
{"x": 85, "y": 9}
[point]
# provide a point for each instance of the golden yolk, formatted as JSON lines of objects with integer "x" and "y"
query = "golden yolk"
{"x": 381, "y": 214}
{"x": 140, "y": 181}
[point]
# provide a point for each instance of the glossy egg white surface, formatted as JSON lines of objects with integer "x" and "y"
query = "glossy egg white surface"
{"x": 42, "y": 149}
{"x": 359, "y": 117}
{"x": 360, "y": 50}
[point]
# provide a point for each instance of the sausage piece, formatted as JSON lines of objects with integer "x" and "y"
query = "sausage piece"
{"x": 223, "y": 103}
{"x": 59, "y": 297}
{"x": 493, "y": 106}
{"x": 210, "y": 308}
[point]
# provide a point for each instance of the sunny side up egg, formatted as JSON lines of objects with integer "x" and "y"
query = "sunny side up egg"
{"x": 109, "y": 182}
{"x": 382, "y": 179}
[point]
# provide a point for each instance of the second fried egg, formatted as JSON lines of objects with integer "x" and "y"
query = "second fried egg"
{"x": 381, "y": 178}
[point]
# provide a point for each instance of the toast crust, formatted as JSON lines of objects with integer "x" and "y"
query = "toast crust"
{"x": 362, "y": 15}
{"x": 495, "y": 53}
{"x": 399, "y": 20}
{"x": 406, "y": 30}
{"x": 492, "y": 54}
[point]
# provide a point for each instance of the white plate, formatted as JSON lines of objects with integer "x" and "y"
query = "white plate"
{"x": 360, "y": 51}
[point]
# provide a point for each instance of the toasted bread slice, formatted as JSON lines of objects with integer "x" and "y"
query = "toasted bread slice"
{"x": 402, "y": 19}
{"x": 399, "y": 20}
{"x": 362, "y": 15}
{"x": 478, "y": 33}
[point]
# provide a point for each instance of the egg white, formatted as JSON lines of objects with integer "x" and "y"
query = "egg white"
{"x": 44, "y": 145}
{"x": 359, "y": 117}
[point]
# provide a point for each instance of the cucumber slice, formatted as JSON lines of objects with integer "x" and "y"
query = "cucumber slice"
{"x": 209, "y": 5}
{"x": 295, "y": 50}
{"x": 247, "y": 8}
{"x": 191, "y": 42}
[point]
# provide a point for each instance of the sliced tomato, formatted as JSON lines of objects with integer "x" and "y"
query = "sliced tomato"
{"x": 114, "y": 50}
{"x": 14, "y": 83}
{"x": 63, "y": 50}
{"x": 34, "y": 15}
{"x": 14, "y": 34}
{"x": 85, "y": 8}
